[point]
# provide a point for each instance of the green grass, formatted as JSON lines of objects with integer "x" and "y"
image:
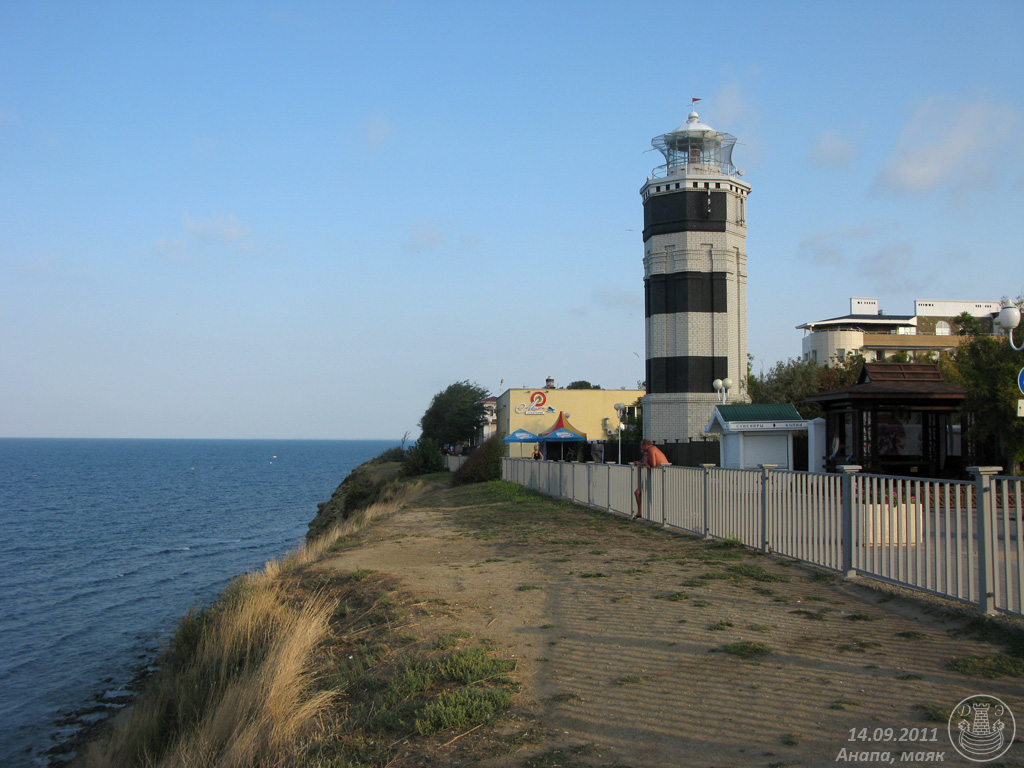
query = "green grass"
{"x": 629, "y": 680}
{"x": 910, "y": 634}
{"x": 674, "y": 597}
{"x": 461, "y": 708}
{"x": 747, "y": 649}
{"x": 988, "y": 666}
{"x": 860, "y": 646}
{"x": 446, "y": 642}
{"x": 811, "y": 615}
{"x": 844, "y": 704}
{"x": 935, "y": 713}
{"x": 755, "y": 572}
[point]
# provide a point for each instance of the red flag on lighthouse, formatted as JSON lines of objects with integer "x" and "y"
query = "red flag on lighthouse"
{"x": 693, "y": 101}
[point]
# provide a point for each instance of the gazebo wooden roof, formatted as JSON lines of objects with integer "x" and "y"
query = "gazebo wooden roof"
{"x": 914, "y": 386}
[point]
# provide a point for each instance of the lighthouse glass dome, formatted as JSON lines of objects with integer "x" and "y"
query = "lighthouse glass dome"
{"x": 695, "y": 148}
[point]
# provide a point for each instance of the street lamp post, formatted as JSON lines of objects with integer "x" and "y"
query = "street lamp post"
{"x": 1009, "y": 318}
{"x": 620, "y": 409}
{"x": 722, "y": 387}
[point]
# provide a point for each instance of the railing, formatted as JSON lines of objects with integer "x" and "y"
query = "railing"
{"x": 958, "y": 539}
{"x": 452, "y": 463}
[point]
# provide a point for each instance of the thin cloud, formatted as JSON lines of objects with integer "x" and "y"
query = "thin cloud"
{"x": 618, "y": 298}
{"x": 378, "y": 129}
{"x": 225, "y": 229}
{"x": 205, "y": 236}
{"x": 832, "y": 247}
{"x": 424, "y": 236}
{"x": 894, "y": 267}
{"x": 832, "y": 150}
{"x": 948, "y": 141}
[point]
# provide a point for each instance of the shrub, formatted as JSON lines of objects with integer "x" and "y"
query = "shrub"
{"x": 391, "y": 454}
{"x": 423, "y": 458}
{"x": 483, "y": 464}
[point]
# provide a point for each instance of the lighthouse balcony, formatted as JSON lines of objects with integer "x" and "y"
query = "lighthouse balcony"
{"x": 685, "y": 170}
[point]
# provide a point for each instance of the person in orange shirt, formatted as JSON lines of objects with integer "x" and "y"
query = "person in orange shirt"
{"x": 652, "y": 456}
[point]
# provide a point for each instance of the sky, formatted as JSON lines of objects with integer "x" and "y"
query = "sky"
{"x": 304, "y": 219}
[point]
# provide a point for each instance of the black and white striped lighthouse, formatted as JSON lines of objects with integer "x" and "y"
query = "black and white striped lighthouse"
{"x": 695, "y": 280}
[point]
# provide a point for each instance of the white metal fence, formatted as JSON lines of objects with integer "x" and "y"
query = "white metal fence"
{"x": 452, "y": 463}
{"x": 959, "y": 539}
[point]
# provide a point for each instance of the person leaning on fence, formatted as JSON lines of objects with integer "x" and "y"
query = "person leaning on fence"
{"x": 651, "y": 456}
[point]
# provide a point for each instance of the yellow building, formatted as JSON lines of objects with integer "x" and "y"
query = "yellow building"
{"x": 591, "y": 411}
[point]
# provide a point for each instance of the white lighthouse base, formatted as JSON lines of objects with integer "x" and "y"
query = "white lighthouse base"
{"x": 680, "y": 415}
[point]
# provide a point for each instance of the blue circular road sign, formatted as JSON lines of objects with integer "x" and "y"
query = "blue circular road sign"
{"x": 1020, "y": 381}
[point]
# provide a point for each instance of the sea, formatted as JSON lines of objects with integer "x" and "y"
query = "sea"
{"x": 105, "y": 544}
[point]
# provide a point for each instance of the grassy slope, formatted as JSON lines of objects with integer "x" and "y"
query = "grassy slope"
{"x": 301, "y": 666}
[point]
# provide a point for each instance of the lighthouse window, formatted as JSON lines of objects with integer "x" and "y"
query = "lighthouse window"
{"x": 717, "y": 185}
{"x": 695, "y": 185}
{"x": 707, "y": 185}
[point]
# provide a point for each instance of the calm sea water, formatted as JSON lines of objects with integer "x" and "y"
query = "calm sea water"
{"x": 104, "y": 544}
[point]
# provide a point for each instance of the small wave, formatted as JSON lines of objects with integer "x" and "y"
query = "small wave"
{"x": 172, "y": 550}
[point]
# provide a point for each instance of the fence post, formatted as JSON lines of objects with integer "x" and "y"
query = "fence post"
{"x": 707, "y": 472}
{"x": 846, "y": 519}
{"x": 663, "y": 504}
{"x": 986, "y": 529}
{"x": 590, "y": 485}
{"x": 765, "y": 469}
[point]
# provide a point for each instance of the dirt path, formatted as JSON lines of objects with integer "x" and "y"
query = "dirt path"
{"x": 618, "y": 628}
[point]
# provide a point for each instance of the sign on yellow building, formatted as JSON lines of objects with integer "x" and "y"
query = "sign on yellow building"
{"x": 591, "y": 411}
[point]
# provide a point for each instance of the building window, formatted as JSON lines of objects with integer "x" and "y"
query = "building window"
{"x": 942, "y": 328}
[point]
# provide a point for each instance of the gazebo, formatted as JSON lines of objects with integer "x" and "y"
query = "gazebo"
{"x": 897, "y": 420}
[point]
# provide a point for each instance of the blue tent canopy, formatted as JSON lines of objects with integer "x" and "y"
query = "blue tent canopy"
{"x": 521, "y": 436}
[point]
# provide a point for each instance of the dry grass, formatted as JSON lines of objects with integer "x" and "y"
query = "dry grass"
{"x": 237, "y": 692}
{"x": 236, "y": 687}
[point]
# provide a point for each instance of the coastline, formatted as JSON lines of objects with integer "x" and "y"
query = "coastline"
{"x": 600, "y": 613}
{"x": 108, "y": 543}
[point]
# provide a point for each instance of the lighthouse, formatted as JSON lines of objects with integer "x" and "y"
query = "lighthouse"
{"x": 695, "y": 281}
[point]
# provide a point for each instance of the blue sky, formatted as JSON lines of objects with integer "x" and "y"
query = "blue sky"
{"x": 301, "y": 220}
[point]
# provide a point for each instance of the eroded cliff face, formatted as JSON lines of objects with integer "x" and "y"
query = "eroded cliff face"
{"x": 357, "y": 491}
{"x": 328, "y": 513}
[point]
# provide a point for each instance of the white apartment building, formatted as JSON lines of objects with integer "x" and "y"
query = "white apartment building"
{"x": 877, "y": 335}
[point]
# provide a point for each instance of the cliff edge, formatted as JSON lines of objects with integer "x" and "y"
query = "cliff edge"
{"x": 360, "y": 489}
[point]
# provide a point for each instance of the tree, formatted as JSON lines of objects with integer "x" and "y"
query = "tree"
{"x": 455, "y": 414}
{"x": 633, "y": 423}
{"x": 793, "y": 381}
{"x": 583, "y": 385}
{"x": 423, "y": 458}
{"x": 988, "y": 366}
{"x": 967, "y": 324}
